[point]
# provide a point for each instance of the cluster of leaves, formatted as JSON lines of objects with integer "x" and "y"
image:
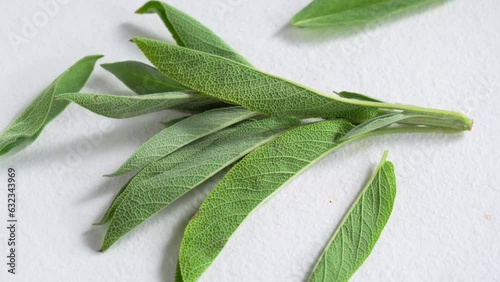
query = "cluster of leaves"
{"x": 240, "y": 117}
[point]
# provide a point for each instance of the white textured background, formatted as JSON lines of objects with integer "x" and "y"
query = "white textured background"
{"x": 446, "y": 222}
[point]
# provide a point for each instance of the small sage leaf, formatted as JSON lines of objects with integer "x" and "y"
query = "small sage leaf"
{"x": 243, "y": 85}
{"x": 182, "y": 133}
{"x": 119, "y": 107}
{"x": 190, "y": 33}
{"x": 351, "y": 12}
{"x": 360, "y": 229}
{"x": 247, "y": 185}
{"x": 142, "y": 78}
{"x": 362, "y": 97}
{"x": 152, "y": 194}
{"x": 28, "y": 126}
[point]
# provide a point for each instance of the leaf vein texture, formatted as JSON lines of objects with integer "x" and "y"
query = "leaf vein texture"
{"x": 214, "y": 219}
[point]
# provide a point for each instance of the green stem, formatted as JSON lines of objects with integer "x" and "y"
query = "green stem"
{"x": 401, "y": 129}
{"x": 431, "y": 117}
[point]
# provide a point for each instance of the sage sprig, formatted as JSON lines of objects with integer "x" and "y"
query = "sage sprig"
{"x": 242, "y": 117}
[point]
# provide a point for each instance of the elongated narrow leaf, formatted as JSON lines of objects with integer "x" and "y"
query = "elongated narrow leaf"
{"x": 183, "y": 133}
{"x": 130, "y": 106}
{"x": 360, "y": 229}
{"x": 153, "y": 194}
{"x": 28, "y": 126}
{"x": 239, "y": 84}
{"x": 247, "y": 185}
{"x": 170, "y": 161}
{"x": 348, "y": 12}
{"x": 142, "y": 78}
{"x": 190, "y": 33}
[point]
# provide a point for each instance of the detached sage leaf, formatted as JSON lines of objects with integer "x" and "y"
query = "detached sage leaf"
{"x": 243, "y": 85}
{"x": 190, "y": 33}
{"x": 28, "y": 126}
{"x": 152, "y": 194}
{"x": 247, "y": 185}
{"x": 142, "y": 78}
{"x": 349, "y": 12}
{"x": 114, "y": 106}
{"x": 360, "y": 229}
{"x": 182, "y": 133}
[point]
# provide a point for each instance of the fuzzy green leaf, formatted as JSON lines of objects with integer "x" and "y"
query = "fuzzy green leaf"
{"x": 114, "y": 106}
{"x": 247, "y": 185}
{"x": 182, "y": 133}
{"x": 170, "y": 161}
{"x": 28, "y": 126}
{"x": 155, "y": 193}
{"x": 360, "y": 229}
{"x": 350, "y": 12}
{"x": 142, "y": 78}
{"x": 239, "y": 84}
{"x": 190, "y": 33}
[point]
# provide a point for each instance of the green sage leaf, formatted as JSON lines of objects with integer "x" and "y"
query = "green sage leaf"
{"x": 142, "y": 78}
{"x": 350, "y": 12}
{"x": 182, "y": 133}
{"x": 243, "y": 85}
{"x": 360, "y": 229}
{"x": 247, "y": 185}
{"x": 190, "y": 33}
{"x": 170, "y": 161}
{"x": 28, "y": 126}
{"x": 155, "y": 193}
{"x": 114, "y": 106}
